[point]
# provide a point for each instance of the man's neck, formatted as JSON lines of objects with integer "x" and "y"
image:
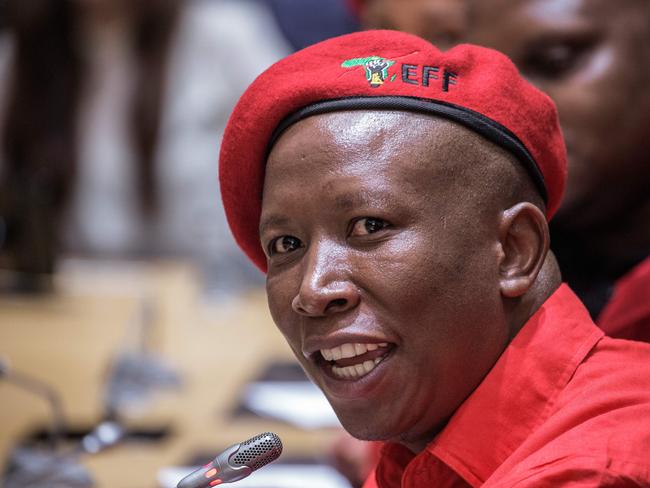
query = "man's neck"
{"x": 523, "y": 308}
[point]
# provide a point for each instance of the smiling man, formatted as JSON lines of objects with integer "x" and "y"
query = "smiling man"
{"x": 398, "y": 198}
{"x": 378, "y": 272}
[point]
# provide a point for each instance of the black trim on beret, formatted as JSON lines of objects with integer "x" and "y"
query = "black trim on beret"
{"x": 479, "y": 123}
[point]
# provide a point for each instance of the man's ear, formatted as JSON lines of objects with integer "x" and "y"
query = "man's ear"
{"x": 524, "y": 239}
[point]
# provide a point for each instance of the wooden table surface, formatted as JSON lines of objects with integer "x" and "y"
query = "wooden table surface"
{"x": 67, "y": 340}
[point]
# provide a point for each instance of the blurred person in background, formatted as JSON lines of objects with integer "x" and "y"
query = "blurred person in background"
{"x": 110, "y": 114}
{"x": 591, "y": 57}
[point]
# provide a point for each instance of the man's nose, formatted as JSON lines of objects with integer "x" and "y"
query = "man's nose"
{"x": 327, "y": 287}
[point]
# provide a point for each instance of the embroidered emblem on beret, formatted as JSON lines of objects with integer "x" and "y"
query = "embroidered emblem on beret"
{"x": 376, "y": 68}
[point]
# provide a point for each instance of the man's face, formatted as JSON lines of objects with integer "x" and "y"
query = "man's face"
{"x": 382, "y": 253}
{"x": 590, "y": 56}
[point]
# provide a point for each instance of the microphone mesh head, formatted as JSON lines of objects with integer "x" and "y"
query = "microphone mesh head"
{"x": 258, "y": 451}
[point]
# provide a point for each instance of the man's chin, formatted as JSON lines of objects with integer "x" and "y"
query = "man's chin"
{"x": 366, "y": 431}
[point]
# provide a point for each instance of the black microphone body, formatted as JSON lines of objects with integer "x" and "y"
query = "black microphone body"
{"x": 236, "y": 462}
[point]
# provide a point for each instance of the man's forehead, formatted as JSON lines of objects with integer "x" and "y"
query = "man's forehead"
{"x": 350, "y": 128}
{"x": 385, "y": 131}
{"x": 395, "y": 144}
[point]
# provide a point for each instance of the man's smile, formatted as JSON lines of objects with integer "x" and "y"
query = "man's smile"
{"x": 351, "y": 361}
{"x": 350, "y": 366}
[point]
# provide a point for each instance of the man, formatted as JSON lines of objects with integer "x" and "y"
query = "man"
{"x": 591, "y": 57}
{"x": 398, "y": 197}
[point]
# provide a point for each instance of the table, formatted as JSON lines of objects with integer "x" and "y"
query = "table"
{"x": 68, "y": 339}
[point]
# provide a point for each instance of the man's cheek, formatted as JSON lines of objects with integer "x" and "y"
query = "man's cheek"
{"x": 279, "y": 300}
{"x": 284, "y": 318}
{"x": 287, "y": 328}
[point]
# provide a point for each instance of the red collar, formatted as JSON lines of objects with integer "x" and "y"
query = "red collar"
{"x": 512, "y": 401}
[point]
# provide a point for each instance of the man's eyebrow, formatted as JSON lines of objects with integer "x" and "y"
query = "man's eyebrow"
{"x": 272, "y": 221}
{"x": 342, "y": 201}
{"x": 348, "y": 201}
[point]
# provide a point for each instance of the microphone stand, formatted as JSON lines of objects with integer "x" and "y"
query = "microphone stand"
{"x": 52, "y": 468}
{"x": 41, "y": 390}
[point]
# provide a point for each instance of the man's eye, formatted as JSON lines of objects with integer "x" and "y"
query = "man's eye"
{"x": 555, "y": 60}
{"x": 367, "y": 225}
{"x": 283, "y": 245}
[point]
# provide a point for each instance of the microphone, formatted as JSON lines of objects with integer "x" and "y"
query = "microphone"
{"x": 236, "y": 462}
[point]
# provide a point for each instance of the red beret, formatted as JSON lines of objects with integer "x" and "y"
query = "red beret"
{"x": 386, "y": 70}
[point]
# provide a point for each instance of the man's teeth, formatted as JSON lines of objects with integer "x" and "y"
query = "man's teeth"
{"x": 356, "y": 371}
{"x": 349, "y": 350}
{"x": 345, "y": 351}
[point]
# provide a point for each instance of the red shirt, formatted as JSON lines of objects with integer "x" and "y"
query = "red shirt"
{"x": 563, "y": 406}
{"x": 627, "y": 314}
